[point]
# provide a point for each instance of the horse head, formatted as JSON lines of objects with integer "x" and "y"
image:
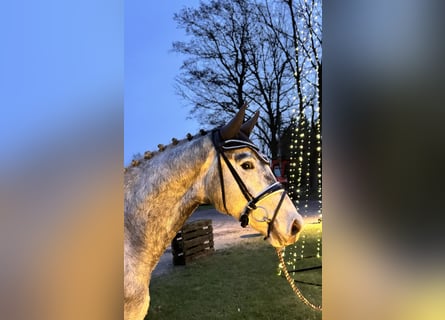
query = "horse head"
{"x": 241, "y": 184}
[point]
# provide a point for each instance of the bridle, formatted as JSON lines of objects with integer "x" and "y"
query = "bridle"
{"x": 224, "y": 145}
{"x": 221, "y": 147}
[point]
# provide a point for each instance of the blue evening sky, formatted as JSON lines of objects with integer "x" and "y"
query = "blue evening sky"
{"x": 61, "y": 72}
{"x": 153, "y": 112}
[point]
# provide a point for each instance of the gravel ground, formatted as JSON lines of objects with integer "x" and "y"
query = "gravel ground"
{"x": 226, "y": 232}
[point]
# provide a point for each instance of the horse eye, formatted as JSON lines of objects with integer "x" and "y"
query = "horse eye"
{"x": 247, "y": 165}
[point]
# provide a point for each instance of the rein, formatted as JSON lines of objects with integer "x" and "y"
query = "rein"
{"x": 292, "y": 282}
{"x": 223, "y": 146}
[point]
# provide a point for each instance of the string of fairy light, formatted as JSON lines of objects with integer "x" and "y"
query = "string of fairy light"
{"x": 300, "y": 177}
{"x": 306, "y": 145}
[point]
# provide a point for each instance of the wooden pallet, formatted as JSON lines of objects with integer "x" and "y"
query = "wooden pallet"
{"x": 194, "y": 240}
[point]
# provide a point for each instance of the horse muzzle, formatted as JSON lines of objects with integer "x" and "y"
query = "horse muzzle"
{"x": 282, "y": 235}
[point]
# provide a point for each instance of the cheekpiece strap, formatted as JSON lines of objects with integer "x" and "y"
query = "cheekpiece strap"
{"x": 233, "y": 144}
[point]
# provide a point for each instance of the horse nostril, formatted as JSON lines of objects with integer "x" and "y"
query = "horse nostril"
{"x": 295, "y": 228}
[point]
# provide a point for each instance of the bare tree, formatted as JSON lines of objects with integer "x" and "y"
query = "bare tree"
{"x": 272, "y": 82}
{"x": 214, "y": 75}
{"x": 306, "y": 35}
{"x": 248, "y": 51}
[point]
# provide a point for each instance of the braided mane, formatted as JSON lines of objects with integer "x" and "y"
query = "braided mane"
{"x": 150, "y": 154}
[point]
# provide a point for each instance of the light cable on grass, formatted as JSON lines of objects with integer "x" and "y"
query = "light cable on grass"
{"x": 292, "y": 283}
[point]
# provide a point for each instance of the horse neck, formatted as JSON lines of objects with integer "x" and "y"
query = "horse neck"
{"x": 163, "y": 192}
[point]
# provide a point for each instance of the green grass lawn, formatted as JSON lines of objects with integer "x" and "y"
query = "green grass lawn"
{"x": 238, "y": 283}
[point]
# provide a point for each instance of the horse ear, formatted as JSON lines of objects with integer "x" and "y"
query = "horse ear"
{"x": 231, "y": 129}
{"x": 248, "y": 126}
